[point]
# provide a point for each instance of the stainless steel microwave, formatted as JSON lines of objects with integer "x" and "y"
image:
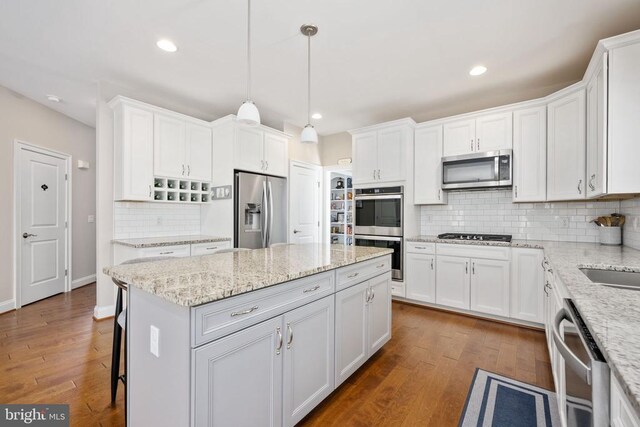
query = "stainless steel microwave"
{"x": 477, "y": 170}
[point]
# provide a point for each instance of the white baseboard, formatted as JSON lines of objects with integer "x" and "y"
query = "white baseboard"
{"x": 7, "y": 305}
{"x": 82, "y": 281}
{"x": 103, "y": 311}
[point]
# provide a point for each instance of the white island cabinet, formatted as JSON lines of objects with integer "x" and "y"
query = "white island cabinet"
{"x": 260, "y": 358}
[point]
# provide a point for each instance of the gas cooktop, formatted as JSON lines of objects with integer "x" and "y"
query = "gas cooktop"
{"x": 482, "y": 237}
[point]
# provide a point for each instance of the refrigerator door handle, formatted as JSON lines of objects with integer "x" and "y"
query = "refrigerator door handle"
{"x": 270, "y": 228}
{"x": 265, "y": 214}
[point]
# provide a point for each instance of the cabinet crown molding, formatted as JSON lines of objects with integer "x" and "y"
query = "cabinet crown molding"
{"x": 407, "y": 121}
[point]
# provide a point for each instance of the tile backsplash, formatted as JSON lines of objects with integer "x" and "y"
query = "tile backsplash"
{"x": 139, "y": 219}
{"x": 492, "y": 211}
{"x": 631, "y": 229}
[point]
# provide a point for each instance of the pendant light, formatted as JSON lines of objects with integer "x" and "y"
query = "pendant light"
{"x": 309, "y": 134}
{"x": 248, "y": 112}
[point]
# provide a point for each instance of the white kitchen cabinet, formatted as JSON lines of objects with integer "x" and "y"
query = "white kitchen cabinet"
{"x": 530, "y": 155}
{"x": 490, "y": 132}
{"x": 452, "y": 281}
{"x": 379, "y": 312}
{"x": 199, "y": 148}
{"x": 276, "y": 156}
{"x": 380, "y": 156}
{"x": 427, "y": 189}
{"x": 238, "y": 379}
{"x": 169, "y": 148}
{"x": 249, "y": 149}
{"x": 489, "y": 286}
{"x": 308, "y": 375}
{"x": 527, "y": 285}
{"x": 494, "y": 132}
{"x": 459, "y": 137}
{"x": 566, "y": 147}
{"x": 621, "y": 412}
{"x": 351, "y": 330}
{"x": 420, "y": 277}
{"x": 133, "y": 152}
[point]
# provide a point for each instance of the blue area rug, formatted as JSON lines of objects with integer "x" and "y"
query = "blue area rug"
{"x": 494, "y": 400}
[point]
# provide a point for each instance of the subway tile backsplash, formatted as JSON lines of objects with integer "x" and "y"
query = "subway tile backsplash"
{"x": 139, "y": 219}
{"x": 492, "y": 211}
{"x": 631, "y": 229}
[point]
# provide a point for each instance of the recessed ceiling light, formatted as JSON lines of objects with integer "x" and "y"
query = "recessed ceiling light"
{"x": 478, "y": 70}
{"x": 53, "y": 98}
{"x": 316, "y": 116}
{"x": 167, "y": 45}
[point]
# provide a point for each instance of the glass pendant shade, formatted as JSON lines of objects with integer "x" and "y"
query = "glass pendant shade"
{"x": 248, "y": 114}
{"x": 309, "y": 135}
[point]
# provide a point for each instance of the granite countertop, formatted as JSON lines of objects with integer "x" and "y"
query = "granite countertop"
{"x": 611, "y": 314}
{"x": 152, "y": 242}
{"x": 202, "y": 279}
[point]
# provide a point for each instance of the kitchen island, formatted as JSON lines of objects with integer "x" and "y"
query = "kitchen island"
{"x": 251, "y": 338}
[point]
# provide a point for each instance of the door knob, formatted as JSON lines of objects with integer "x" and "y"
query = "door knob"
{"x": 297, "y": 231}
{"x": 26, "y": 235}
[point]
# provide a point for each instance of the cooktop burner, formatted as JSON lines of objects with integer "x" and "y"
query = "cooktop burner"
{"x": 483, "y": 237}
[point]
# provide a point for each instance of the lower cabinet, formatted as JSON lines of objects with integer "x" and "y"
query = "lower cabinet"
{"x": 452, "y": 281}
{"x": 420, "y": 277}
{"x": 527, "y": 285}
{"x": 490, "y": 286}
{"x": 622, "y": 413}
{"x": 363, "y": 324}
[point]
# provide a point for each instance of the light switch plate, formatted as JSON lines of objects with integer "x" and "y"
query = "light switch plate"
{"x": 154, "y": 341}
{"x": 221, "y": 192}
{"x": 91, "y": 218}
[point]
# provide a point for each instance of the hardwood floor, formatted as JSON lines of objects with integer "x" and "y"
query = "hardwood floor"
{"x": 422, "y": 376}
{"x": 53, "y": 351}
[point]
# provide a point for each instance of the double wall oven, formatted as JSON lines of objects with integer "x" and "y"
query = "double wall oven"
{"x": 378, "y": 222}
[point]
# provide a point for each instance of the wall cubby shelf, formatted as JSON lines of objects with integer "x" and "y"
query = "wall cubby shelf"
{"x": 181, "y": 190}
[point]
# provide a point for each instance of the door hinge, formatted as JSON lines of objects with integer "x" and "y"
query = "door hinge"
{"x": 318, "y": 223}
{"x": 66, "y": 272}
{"x": 66, "y": 224}
{"x": 318, "y": 184}
{"x": 66, "y": 177}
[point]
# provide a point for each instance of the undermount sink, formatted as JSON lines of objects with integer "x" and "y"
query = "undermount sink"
{"x": 614, "y": 279}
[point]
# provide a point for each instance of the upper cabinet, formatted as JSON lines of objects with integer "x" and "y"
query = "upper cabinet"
{"x": 259, "y": 150}
{"x": 199, "y": 149}
{"x": 530, "y": 155}
{"x": 597, "y": 131}
{"x": 428, "y": 166}
{"x": 566, "y": 147}
{"x": 380, "y": 155}
{"x": 490, "y": 132}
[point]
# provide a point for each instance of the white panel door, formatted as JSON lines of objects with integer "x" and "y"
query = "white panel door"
{"x": 309, "y": 372}
{"x": 527, "y": 285}
{"x": 420, "y": 278}
{"x": 42, "y": 233}
{"x": 427, "y": 189}
{"x": 391, "y": 154}
{"x": 276, "y": 149}
{"x": 452, "y": 281}
{"x": 249, "y": 149}
{"x": 490, "y": 286}
{"x": 597, "y": 132}
{"x": 365, "y": 158}
{"x": 351, "y": 330}
{"x": 136, "y": 148}
{"x": 379, "y": 312}
{"x": 494, "y": 132}
{"x": 199, "y": 150}
{"x": 238, "y": 379}
{"x": 169, "y": 148}
{"x": 459, "y": 137}
{"x": 530, "y": 155}
{"x": 566, "y": 147}
{"x": 304, "y": 203}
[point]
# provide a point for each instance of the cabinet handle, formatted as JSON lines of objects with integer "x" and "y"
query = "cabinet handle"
{"x": 473, "y": 268}
{"x": 432, "y": 263}
{"x": 591, "y": 186}
{"x": 290, "y": 332}
{"x": 351, "y": 276}
{"x": 580, "y": 186}
{"x": 516, "y": 191}
{"x": 466, "y": 268}
{"x": 315, "y": 288}
{"x": 262, "y": 164}
{"x": 166, "y": 253}
{"x": 439, "y": 191}
{"x": 373, "y": 295}
{"x": 471, "y": 144}
{"x": 374, "y": 174}
{"x": 188, "y": 170}
{"x": 266, "y": 165}
{"x": 379, "y": 265}
{"x": 545, "y": 288}
{"x": 242, "y": 313}
{"x": 149, "y": 190}
{"x": 182, "y": 170}
{"x": 378, "y": 174}
{"x": 478, "y": 145}
{"x": 279, "y": 347}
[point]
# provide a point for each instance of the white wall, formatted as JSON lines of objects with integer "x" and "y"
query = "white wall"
{"x": 307, "y": 153}
{"x": 32, "y": 122}
{"x": 335, "y": 147}
{"x": 491, "y": 211}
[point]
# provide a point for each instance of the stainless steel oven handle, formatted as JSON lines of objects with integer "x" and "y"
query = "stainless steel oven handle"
{"x": 496, "y": 168}
{"x": 384, "y": 239}
{"x": 381, "y": 197}
{"x": 576, "y": 365}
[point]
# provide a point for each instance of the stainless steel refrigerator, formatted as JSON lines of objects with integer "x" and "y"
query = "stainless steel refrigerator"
{"x": 260, "y": 210}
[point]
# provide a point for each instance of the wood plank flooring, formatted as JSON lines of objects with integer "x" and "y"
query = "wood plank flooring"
{"x": 53, "y": 351}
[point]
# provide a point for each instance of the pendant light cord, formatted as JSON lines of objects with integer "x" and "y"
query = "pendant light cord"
{"x": 249, "y": 50}
{"x": 308, "y": 76}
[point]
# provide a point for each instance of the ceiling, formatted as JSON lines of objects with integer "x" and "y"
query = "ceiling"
{"x": 372, "y": 61}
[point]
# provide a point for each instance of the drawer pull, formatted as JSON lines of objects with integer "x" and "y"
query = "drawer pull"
{"x": 242, "y": 313}
{"x": 212, "y": 248}
{"x": 380, "y": 266}
{"x": 315, "y": 288}
{"x": 351, "y": 276}
{"x": 166, "y": 253}
{"x": 420, "y": 247}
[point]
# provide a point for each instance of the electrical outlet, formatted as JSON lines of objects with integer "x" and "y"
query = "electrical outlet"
{"x": 563, "y": 221}
{"x": 91, "y": 218}
{"x": 159, "y": 220}
{"x": 154, "y": 341}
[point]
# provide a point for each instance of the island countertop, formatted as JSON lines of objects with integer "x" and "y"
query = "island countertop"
{"x": 202, "y": 279}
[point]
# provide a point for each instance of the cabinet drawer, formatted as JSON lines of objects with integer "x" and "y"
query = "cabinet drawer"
{"x": 421, "y": 248}
{"x": 208, "y": 248}
{"x": 169, "y": 251}
{"x": 397, "y": 289}
{"x": 475, "y": 251}
{"x": 220, "y": 318}
{"x": 349, "y": 276}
